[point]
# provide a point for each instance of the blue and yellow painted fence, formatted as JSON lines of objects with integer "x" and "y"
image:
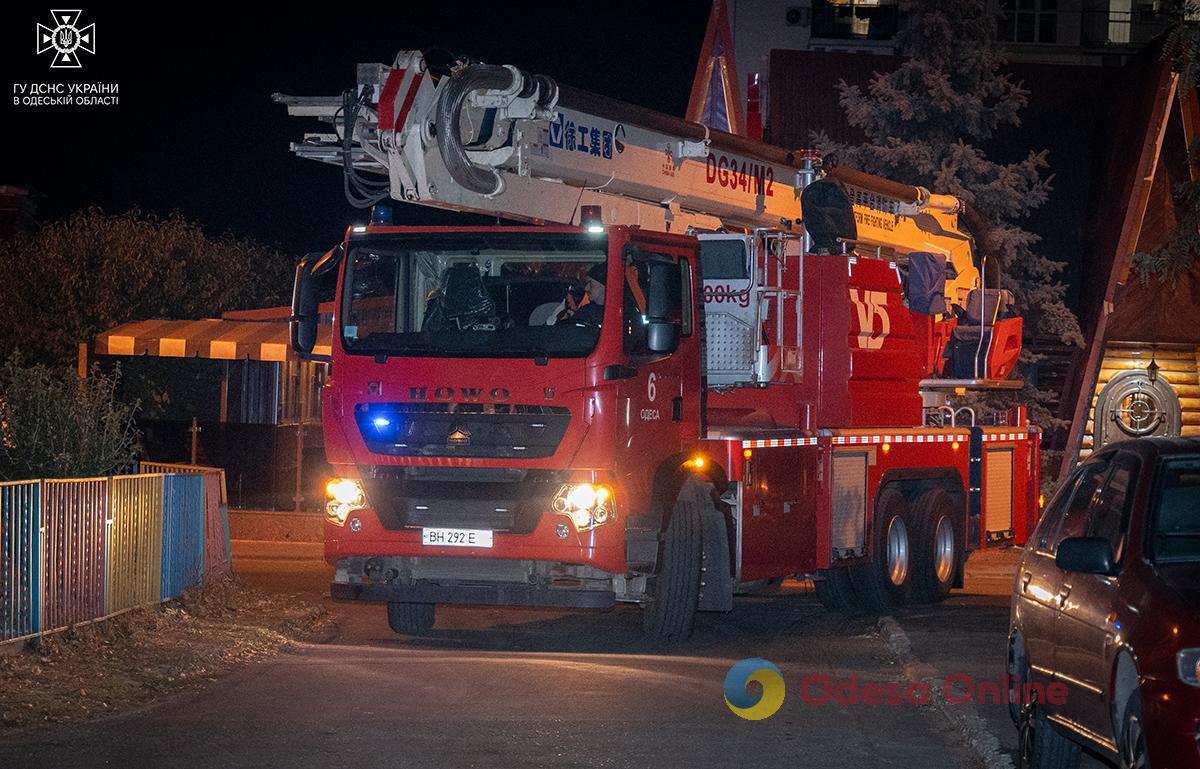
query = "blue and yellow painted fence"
{"x": 77, "y": 550}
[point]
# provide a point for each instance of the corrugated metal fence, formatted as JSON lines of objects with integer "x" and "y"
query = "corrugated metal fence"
{"x": 77, "y": 550}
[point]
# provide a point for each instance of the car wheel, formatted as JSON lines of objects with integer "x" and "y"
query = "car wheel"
{"x": 835, "y": 590}
{"x": 671, "y": 613}
{"x": 1040, "y": 747}
{"x": 410, "y": 618}
{"x": 886, "y": 580}
{"x": 1133, "y": 738}
{"x": 938, "y": 551}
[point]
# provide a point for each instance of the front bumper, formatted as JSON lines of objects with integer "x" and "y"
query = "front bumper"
{"x": 489, "y": 595}
{"x": 487, "y": 581}
{"x": 602, "y": 547}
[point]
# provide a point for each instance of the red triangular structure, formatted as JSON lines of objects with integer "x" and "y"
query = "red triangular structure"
{"x": 716, "y": 99}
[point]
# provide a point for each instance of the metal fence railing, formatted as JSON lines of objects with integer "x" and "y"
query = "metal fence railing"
{"x": 216, "y": 501}
{"x": 78, "y": 550}
{"x": 74, "y": 525}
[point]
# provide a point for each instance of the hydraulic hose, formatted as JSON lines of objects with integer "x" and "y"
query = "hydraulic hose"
{"x": 484, "y": 181}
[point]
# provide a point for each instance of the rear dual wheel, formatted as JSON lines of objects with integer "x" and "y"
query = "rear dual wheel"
{"x": 937, "y": 546}
{"x": 886, "y": 580}
{"x": 835, "y": 590}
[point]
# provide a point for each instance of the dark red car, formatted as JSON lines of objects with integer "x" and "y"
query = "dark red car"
{"x": 1104, "y": 644}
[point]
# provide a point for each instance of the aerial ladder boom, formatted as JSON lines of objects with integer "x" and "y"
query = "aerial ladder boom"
{"x": 499, "y": 141}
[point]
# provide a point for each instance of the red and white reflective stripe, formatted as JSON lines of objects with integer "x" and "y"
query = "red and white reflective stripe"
{"x": 775, "y": 443}
{"x": 853, "y": 440}
{"x": 867, "y": 440}
{"x": 399, "y": 81}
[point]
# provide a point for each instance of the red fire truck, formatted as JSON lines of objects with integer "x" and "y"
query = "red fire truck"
{"x": 705, "y": 365}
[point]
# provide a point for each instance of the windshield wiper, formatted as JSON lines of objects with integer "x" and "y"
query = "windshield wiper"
{"x": 541, "y": 356}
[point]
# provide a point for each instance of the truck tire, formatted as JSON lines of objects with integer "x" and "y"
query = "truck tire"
{"x": 671, "y": 613}
{"x": 835, "y": 590}
{"x": 937, "y": 547}
{"x": 410, "y": 618}
{"x": 886, "y": 579}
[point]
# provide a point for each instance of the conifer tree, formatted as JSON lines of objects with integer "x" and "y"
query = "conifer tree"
{"x": 925, "y": 123}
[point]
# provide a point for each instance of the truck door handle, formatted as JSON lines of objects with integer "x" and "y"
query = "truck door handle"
{"x": 1063, "y": 594}
{"x": 1025, "y": 580}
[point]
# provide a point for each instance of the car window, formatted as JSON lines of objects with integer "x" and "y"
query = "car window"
{"x": 1052, "y": 515}
{"x": 1086, "y": 491}
{"x": 1175, "y": 529}
{"x": 1109, "y": 516}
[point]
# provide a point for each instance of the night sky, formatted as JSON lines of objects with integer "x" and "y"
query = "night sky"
{"x": 197, "y": 132}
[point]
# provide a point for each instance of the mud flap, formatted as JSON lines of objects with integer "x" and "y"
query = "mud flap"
{"x": 974, "y": 491}
{"x": 716, "y": 583}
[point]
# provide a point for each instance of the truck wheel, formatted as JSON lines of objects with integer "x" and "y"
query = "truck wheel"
{"x": 938, "y": 551}
{"x": 671, "y": 612}
{"x": 834, "y": 589}
{"x": 410, "y": 618}
{"x": 886, "y": 580}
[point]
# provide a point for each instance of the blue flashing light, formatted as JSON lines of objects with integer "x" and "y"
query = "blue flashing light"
{"x": 381, "y": 213}
{"x": 381, "y": 422}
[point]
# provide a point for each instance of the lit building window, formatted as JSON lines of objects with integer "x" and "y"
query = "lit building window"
{"x": 855, "y": 19}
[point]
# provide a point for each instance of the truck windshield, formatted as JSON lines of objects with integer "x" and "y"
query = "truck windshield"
{"x": 1176, "y": 524}
{"x": 475, "y": 295}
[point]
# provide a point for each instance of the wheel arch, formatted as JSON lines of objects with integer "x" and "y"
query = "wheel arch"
{"x": 718, "y": 533}
{"x": 914, "y": 481}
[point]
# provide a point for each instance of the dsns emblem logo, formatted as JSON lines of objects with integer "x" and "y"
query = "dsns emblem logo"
{"x": 66, "y": 38}
{"x": 746, "y": 705}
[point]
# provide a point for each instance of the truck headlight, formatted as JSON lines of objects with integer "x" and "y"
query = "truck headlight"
{"x": 1188, "y": 662}
{"x": 345, "y": 494}
{"x": 587, "y": 504}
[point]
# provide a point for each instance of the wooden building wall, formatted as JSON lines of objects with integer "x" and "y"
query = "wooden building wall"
{"x": 1178, "y": 365}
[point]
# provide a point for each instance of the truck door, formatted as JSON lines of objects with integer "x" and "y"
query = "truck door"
{"x": 660, "y": 408}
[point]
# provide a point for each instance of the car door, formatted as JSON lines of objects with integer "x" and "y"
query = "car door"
{"x": 1039, "y": 581}
{"x": 1087, "y": 626}
{"x": 1037, "y": 585}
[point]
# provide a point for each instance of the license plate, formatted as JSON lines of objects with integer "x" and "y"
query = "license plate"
{"x": 457, "y": 537}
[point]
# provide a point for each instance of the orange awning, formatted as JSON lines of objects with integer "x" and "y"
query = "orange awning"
{"x": 210, "y": 338}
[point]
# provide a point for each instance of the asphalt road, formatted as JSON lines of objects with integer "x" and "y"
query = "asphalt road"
{"x": 549, "y": 688}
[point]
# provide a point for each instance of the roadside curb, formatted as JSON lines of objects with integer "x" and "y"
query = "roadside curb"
{"x": 265, "y": 550}
{"x": 973, "y": 729}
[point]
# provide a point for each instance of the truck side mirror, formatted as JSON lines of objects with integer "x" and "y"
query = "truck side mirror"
{"x": 664, "y": 306}
{"x": 313, "y": 274}
{"x": 1086, "y": 555}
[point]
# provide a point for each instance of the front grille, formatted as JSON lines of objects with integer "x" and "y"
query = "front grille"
{"x": 473, "y": 430}
{"x": 469, "y": 498}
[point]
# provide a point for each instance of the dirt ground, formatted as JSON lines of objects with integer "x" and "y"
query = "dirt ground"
{"x": 147, "y": 653}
